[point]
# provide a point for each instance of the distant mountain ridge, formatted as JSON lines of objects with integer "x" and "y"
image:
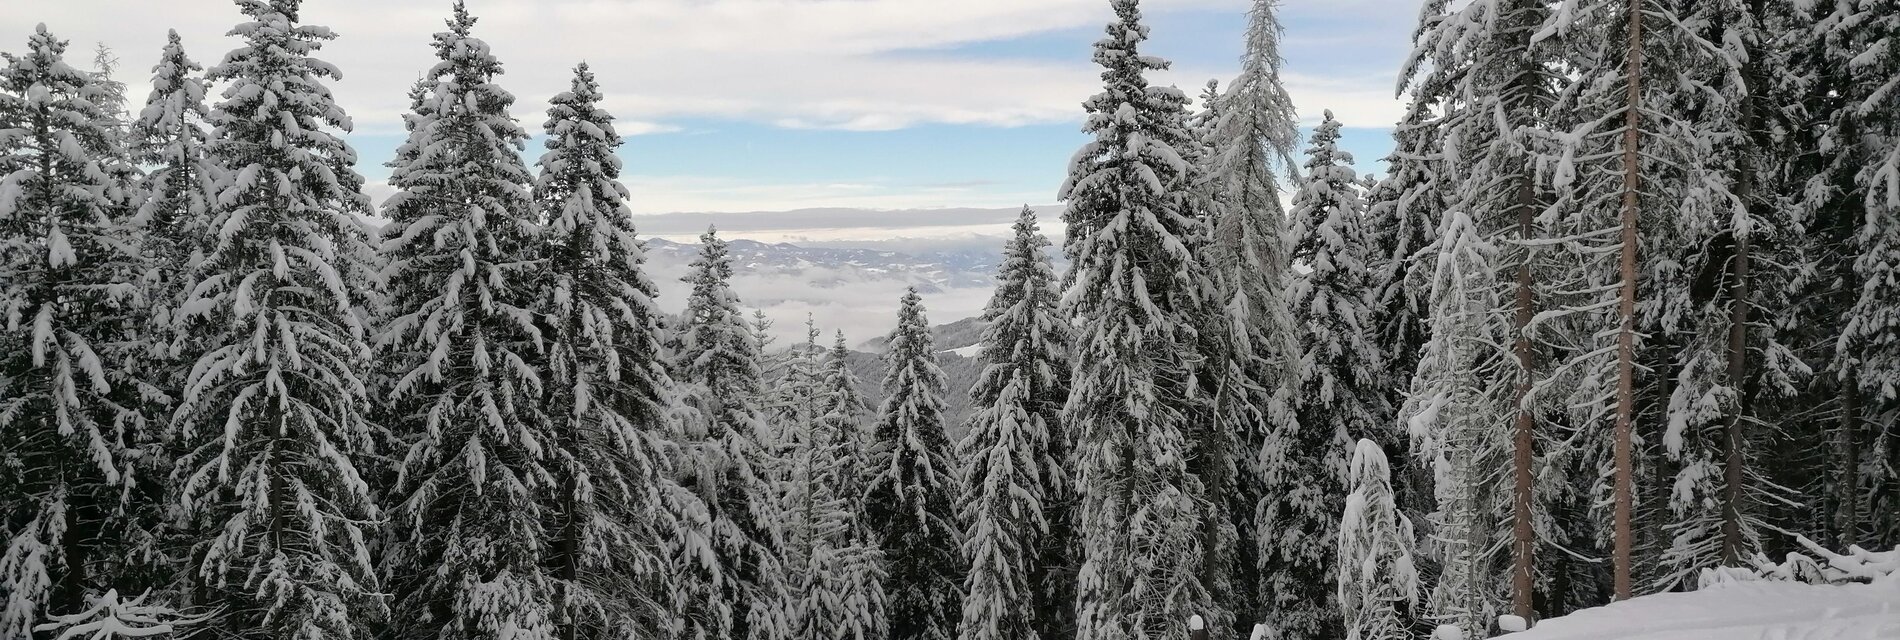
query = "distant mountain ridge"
{"x": 829, "y": 267}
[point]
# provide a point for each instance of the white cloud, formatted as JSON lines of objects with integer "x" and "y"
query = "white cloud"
{"x": 863, "y": 307}
{"x": 1355, "y": 101}
{"x": 795, "y": 63}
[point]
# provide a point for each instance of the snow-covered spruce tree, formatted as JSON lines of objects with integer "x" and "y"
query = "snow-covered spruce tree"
{"x": 1017, "y": 499}
{"x": 842, "y": 418}
{"x": 1828, "y": 150}
{"x": 112, "y": 93}
{"x": 839, "y": 587}
{"x": 911, "y": 487}
{"x": 1134, "y": 291}
{"x": 1491, "y": 82}
{"x": 727, "y": 463}
{"x": 1256, "y": 373}
{"x": 1216, "y": 461}
{"x": 110, "y": 97}
{"x": 848, "y": 591}
{"x": 1339, "y": 397}
{"x": 833, "y": 573}
{"x": 1402, "y": 214}
{"x": 475, "y": 493}
{"x": 1653, "y": 184}
{"x": 1820, "y": 157}
{"x": 608, "y": 391}
{"x": 1459, "y": 420}
{"x": 843, "y": 596}
{"x": 1377, "y": 581}
{"x": 792, "y": 402}
{"x": 1869, "y": 40}
{"x": 69, "y": 406}
{"x": 273, "y": 411}
{"x": 1596, "y": 230}
{"x": 169, "y": 137}
{"x": 1737, "y": 365}
{"x": 173, "y": 202}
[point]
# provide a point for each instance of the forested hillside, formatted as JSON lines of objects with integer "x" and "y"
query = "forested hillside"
{"x": 1621, "y": 317}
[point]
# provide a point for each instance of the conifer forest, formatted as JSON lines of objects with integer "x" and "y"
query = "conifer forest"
{"x": 1620, "y": 317}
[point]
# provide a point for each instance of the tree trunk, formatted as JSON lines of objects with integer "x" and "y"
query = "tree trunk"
{"x": 1626, "y": 307}
{"x": 1734, "y": 452}
{"x": 69, "y": 594}
{"x": 1521, "y": 534}
{"x": 1849, "y": 499}
{"x": 1737, "y": 370}
{"x": 1215, "y": 475}
{"x": 570, "y": 561}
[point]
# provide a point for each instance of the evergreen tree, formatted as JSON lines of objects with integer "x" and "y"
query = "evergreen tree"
{"x": 1224, "y": 414}
{"x": 1868, "y": 39}
{"x": 608, "y": 390}
{"x": 790, "y": 403}
{"x": 1377, "y": 580}
{"x": 729, "y": 466}
{"x": 1490, "y": 75}
{"x": 1661, "y": 193}
{"x": 794, "y": 398}
{"x": 69, "y": 403}
{"x": 839, "y": 585}
{"x": 1340, "y": 396}
{"x": 842, "y": 417}
{"x": 1016, "y": 497}
{"x": 1825, "y": 155}
{"x": 111, "y": 99}
{"x": 273, "y": 412}
{"x": 1457, "y": 418}
{"x": 173, "y": 206}
{"x": 1254, "y": 370}
{"x": 911, "y": 491}
{"x": 112, "y": 93}
{"x": 834, "y": 575}
{"x": 474, "y": 492}
{"x": 1402, "y": 215}
{"x": 1135, "y": 289}
{"x": 169, "y": 136}
{"x": 1734, "y": 224}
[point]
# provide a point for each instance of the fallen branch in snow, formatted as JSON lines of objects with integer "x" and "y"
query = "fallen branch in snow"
{"x": 1857, "y": 565}
{"x": 109, "y": 618}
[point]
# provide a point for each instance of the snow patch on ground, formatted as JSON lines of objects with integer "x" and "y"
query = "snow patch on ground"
{"x": 1739, "y": 611}
{"x": 967, "y": 352}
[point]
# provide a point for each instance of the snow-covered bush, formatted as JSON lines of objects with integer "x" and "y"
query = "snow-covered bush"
{"x": 1857, "y": 565}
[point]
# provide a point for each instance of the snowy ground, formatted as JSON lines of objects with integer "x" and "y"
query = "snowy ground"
{"x": 1744, "y": 611}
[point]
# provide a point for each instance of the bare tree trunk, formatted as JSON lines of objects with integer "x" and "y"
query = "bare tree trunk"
{"x": 1849, "y": 499}
{"x": 570, "y": 561}
{"x": 1215, "y": 475}
{"x": 1737, "y": 370}
{"x": 1626, "y": 307}
{"x": 1732, "y": 469}
{"x": 1521, "y": 534}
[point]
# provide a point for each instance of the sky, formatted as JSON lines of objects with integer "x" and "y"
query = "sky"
{"x": 734, "y": 106}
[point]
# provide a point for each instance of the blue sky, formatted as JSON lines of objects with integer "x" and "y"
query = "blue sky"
{"x": 767, "y": 105}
